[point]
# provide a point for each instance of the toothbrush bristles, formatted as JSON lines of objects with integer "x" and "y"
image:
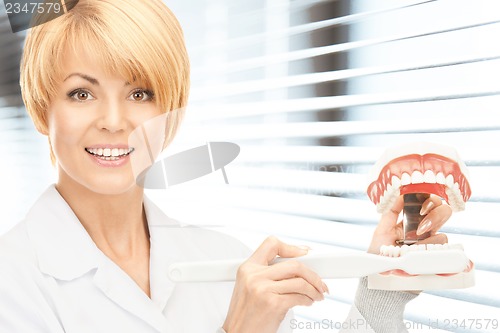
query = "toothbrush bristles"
{"x": 397, "y": 251}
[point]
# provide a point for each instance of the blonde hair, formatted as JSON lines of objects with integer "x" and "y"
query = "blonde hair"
{"x": 141, "y": 41}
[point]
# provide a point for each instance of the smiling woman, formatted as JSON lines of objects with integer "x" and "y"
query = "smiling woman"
{"x": 89, "y": 120}
{"x": 92, "y": 254}
{"x": 119, "y": 47}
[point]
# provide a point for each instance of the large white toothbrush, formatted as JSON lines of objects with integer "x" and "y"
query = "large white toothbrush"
{"x": 417, "y": 259}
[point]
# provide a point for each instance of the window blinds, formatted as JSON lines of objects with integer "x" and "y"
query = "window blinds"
{"x": 313, "y": 92}
{"x": 25, "y": 166}
{"x": 10, "y": 44}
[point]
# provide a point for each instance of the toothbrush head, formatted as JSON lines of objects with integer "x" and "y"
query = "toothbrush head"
{"x": 419, "y": 168}
{"x": 432, "y": 256}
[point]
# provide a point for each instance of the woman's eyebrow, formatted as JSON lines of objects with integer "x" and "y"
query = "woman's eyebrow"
{"x": 92, "y": 80}
{"x": 85, "y": 77}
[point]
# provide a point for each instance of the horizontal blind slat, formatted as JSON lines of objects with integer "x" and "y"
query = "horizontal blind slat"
{"x": 300, "y": 29}
{"x": 245, "y": 87}
{"x": 235, "y": 110}
{"x": 346, "y": 128}
{"x": 272, "y": 59}
{"x": 323, "y": 155}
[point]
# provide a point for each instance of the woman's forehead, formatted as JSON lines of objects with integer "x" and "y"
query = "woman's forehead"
{"x": 96, "y": 66}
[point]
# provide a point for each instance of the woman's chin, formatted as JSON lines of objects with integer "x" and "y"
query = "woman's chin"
{"x": 113, "y": 188}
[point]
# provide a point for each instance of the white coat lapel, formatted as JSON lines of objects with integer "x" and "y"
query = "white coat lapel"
{"x": 122, "y": 290}
{"x": 63, "y": 248}
{"x": 162, "y": 253}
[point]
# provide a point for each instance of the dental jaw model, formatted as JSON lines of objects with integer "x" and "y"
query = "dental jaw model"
{"x": 417, "y": 171}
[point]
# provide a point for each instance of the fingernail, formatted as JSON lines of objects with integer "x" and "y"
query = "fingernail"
{"x": 424, "y": 226}
{"x": 325, "y": 288}
{"x": 425, "y": 209}
{"x": 304, "y": 248}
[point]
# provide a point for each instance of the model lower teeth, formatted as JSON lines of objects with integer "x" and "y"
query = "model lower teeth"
{"x": 397, "y": 251}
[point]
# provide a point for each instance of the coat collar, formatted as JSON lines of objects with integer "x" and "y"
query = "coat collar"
{"x": 65, "y": 251}
{"x": 63, "y": 247}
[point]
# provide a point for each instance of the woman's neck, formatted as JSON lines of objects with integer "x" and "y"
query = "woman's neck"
{"x": 116, "y": 223}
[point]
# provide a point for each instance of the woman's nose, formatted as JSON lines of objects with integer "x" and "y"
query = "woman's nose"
{"x": 112, "y": 117}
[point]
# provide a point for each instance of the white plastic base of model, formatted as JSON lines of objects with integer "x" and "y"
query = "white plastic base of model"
{"x": 421, "y": 282}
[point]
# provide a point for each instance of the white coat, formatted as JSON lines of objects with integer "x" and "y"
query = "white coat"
{"x": 53, "y": 278}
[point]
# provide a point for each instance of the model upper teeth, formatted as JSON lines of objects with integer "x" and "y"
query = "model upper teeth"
{"x": 390, "y": 193}
{"x": 418, "y": 167}
{"x": 109, "y": 152}
{"x": 429, "y": 177}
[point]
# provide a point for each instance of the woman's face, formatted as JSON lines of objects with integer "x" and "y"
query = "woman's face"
{"x": 90, "y": 120}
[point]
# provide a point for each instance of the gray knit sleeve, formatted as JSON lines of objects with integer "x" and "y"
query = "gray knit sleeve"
{"x": 382, "y": 309}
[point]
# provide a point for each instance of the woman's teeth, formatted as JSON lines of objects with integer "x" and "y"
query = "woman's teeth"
{"x": 109, "y": 154}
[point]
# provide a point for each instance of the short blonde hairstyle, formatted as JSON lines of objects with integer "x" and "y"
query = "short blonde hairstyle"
{"x": 139, "y": 40}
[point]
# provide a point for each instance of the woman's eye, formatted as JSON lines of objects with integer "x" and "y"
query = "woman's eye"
{"x": 141, "y": 95}
{"x": 81, "y": 95}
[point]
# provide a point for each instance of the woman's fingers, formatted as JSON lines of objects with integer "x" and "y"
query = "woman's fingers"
{"x": 291, "y": 300}
{"x": 259, "y": 266}
{"x": 389, "y": 219}
{"x": 435, "y": 239}
{"x": 436, "y": 217}
{"x": 431, "y": 202}
{"x": 297, "y": 286}
{"x": 388, "y": 229}
{"x": 265, "y": 291}
{"x": 273, "y": 247}
{"x": 291, "y": 269}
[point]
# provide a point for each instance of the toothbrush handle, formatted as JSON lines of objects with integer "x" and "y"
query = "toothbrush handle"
{"x": 204, "y": 271}
{"x": 327, "y": 266}
{"x": 350, "y": 265}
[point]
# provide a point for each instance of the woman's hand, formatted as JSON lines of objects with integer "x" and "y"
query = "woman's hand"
{"x": 264, "y": 293}
{"x": 388, "y": 231}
